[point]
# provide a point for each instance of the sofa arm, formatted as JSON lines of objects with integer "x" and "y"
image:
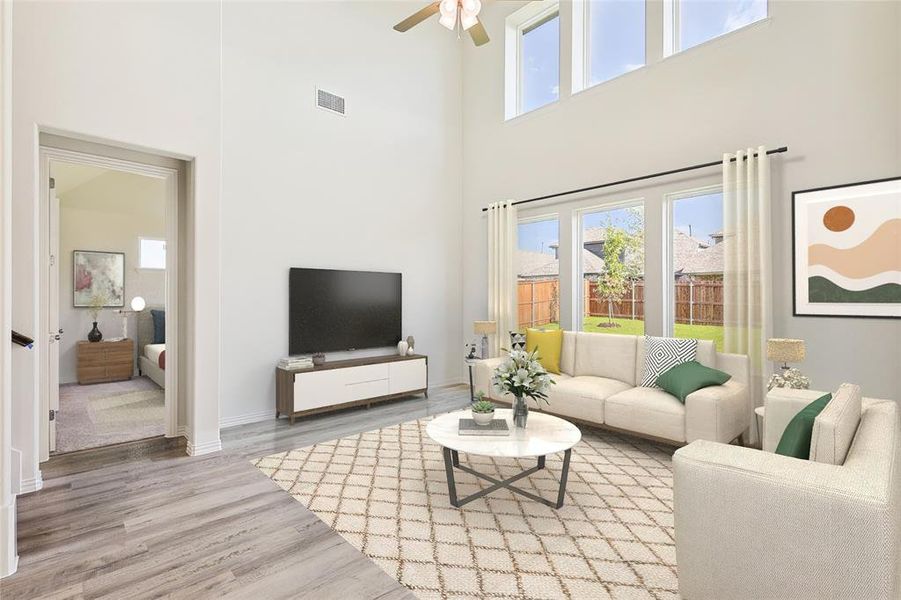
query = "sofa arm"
{"x": 482, "y": 371}
{"x": 782, "y": 404}
{"x": 751, "y": 524}
{"x": 718, "y": 413}
{"x": 736, "y": 365}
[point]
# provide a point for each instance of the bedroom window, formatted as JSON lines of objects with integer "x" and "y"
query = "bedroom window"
{"x": 608, "y": 40}
{"x": 688, "y": 23}
{"x": 151, "y": 253}
{"x": 532, "y": 58}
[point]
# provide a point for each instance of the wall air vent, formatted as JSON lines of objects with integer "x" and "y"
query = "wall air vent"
{"x": 330, "y": 102}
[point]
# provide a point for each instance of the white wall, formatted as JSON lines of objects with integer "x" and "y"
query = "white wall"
{"x": 145, "y": 75}
{"x": 108, "y": 214}
{"x": 821, "y": 78}
{"x": 378, "y": 189}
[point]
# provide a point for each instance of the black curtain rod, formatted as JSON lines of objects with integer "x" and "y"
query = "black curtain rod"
{"x": 633, "y": 179}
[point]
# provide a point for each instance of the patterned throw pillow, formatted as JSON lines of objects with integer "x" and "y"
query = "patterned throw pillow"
{"x": 517, "y": 341}
{"x": 662, "y": 354}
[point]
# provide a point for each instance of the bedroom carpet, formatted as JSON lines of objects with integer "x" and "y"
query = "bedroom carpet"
{"x": 108, "y": 413}
{"x": 385, "y": 492}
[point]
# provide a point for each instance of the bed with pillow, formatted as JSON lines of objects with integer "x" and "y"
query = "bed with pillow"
{"x": 152, "y": 344}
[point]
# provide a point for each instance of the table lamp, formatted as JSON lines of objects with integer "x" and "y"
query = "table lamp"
{"x": 781, "y": 350}
{"x": 484, "y": 328}
{"x": 137, "y": 305}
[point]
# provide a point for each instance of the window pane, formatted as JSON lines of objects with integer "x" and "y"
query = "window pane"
{"x": 538, "y": 276}
{"x": 540, "y": 68}
{"x": 702, "y": 20}
{"x": 698, "y": 267}
{"x": 615, "y": 38}
{"x": 153, "y": 254}
{"x": 613, "y": 271}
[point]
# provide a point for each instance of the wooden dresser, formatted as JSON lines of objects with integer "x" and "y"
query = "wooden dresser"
{"x": 99, "y": 362}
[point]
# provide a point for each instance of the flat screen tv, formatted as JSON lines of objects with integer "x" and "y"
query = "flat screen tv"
{"x": 333, "y": 310}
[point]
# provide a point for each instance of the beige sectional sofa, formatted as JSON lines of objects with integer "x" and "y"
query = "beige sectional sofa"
{"x": 599, "y": 380}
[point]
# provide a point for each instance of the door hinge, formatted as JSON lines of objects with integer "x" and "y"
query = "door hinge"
{"x": 52, "y": 259}
{"x": 52, "y": 183}
{"x": 52, "y": 415}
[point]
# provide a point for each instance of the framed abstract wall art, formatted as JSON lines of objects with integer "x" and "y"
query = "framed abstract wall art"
{"x": 847, "y": 250}
{"x": 98, "y": 274}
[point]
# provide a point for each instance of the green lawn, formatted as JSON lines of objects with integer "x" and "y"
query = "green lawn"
{"x": 630, "y": 327}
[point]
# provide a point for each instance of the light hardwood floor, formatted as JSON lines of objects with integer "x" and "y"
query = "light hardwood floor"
{"x": 145, "y": 520}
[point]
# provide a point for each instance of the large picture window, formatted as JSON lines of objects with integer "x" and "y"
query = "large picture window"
{"x": 538, "y": 274}
{"x": 612, "y": 267}
{"x": 697, "y": 260}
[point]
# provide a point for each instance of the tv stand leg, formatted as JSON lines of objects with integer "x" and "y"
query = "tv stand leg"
{"x": 292, "y": 418}
{"x": 277, "y": 414}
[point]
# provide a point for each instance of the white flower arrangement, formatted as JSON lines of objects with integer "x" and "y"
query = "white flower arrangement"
{"x": 523, "y": 376}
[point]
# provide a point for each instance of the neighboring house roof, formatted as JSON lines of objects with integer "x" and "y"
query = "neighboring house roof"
{"x": 538, "y": 264}
{"x": 706, "y": 261}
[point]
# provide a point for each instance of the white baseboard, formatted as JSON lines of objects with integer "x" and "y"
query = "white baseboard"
{"x": 204, "y": 447}
{"x": 27, "y": 486}
{"x": 9, "y": 560}
{"x": 254, "y": 417}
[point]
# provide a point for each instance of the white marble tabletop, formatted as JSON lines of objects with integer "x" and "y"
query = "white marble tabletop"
{"x": 544, "y": 434}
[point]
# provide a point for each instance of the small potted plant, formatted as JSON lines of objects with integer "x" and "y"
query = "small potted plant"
{"x": 482, "y": 410}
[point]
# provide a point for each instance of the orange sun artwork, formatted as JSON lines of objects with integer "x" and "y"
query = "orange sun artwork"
{"x": 838, "y": 218}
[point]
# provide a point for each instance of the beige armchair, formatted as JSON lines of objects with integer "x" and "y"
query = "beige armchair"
{"x": 753, "y": 524}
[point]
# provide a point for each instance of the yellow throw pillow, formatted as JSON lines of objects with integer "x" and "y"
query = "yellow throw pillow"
{"x": 549, "y": 345}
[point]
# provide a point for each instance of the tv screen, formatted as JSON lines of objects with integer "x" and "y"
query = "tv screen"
{"x": 333, "y": 310}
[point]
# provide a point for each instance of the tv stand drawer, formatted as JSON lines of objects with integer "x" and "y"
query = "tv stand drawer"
{"x": 407, "y": 376}
{"x": 366, "y": 389}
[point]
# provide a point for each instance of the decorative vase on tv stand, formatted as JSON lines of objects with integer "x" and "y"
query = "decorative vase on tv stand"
{"x": 402, "y": 348}
{"x": 94, "y": 334}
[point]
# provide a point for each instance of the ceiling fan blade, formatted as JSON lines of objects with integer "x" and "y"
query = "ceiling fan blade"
{"x": 478, "y": 33}
{"x": 417, "y": 17}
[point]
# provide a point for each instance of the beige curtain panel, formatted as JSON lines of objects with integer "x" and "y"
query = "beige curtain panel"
{"x": 501, "y": 272}
{"x": 747, "y": 280}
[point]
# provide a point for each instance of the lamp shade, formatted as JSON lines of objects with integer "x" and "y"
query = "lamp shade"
{"x": 138, "y": 304}
{"x": 785, "y": 350}
{"x": 484, "y": 327}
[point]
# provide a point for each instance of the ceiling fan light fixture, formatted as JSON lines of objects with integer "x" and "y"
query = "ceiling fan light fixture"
{"x": 448, "y": 10}
{"x": 471, "y": 7}
{"x": 467, "y": 20}
{"x": 449, "y": 21}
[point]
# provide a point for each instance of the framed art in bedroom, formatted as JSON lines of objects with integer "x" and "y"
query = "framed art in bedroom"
{"x": 846, "y": 243}
{"x": 98, "y": 274}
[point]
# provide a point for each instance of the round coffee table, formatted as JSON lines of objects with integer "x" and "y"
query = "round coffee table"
{"x": 545, "y": 434}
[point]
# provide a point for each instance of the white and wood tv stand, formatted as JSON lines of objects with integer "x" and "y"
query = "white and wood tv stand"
{"x": 344, "y": 383}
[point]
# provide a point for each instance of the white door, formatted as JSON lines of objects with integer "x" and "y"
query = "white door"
{"x": 53, "y": 316}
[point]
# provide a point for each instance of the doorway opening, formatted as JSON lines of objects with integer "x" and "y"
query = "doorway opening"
{"x": 109, "y": 300}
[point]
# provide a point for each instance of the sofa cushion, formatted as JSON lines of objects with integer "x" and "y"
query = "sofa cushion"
{"x": 798, "y": 433}
{"x": 662, "y": 354}
{"x": 835, "y": 426}
{"x": 691, "y": 376}
{"x": 646, "y": 410}
{"x": 705, "y": 354}
{"x": 568, "y": 353}
{"x": 605, "y": 355}
{"x": 583, "y": 397}
{"x": 548, "y": 345}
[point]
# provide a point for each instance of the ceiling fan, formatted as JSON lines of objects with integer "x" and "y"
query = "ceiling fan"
{"x": 464, "y": 12}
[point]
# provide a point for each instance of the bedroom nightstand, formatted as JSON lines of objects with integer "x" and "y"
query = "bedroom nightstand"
{"x": 100, "y": 362}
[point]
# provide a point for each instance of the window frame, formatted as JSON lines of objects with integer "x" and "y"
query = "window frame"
{"x": 668, "y": 287}
{"x": 579, "y": 244}
{"x": 519, "y": 23}
{"x": 672, "y": 29}
{"x": 538, "y": 218}
{"x": 141, "y": 240}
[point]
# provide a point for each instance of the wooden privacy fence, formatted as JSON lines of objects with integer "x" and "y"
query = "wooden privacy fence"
{"x": 697, "y": 302}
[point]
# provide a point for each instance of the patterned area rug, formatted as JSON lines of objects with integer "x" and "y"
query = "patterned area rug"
{"x": 385, "y": 492}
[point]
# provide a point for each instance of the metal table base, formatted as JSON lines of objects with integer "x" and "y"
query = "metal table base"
{"x": 452, "y": 461}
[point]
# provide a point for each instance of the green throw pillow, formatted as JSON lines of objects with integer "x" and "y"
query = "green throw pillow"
{"x": 689, "y": 377}
{"x": 795, "y": 439}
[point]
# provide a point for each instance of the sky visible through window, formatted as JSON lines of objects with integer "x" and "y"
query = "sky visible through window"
{"x": 541, "y": 65}
{"x": 616, "y": 38}
{"x": 699, "y": 216}
{"x": 702, "y": 20}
